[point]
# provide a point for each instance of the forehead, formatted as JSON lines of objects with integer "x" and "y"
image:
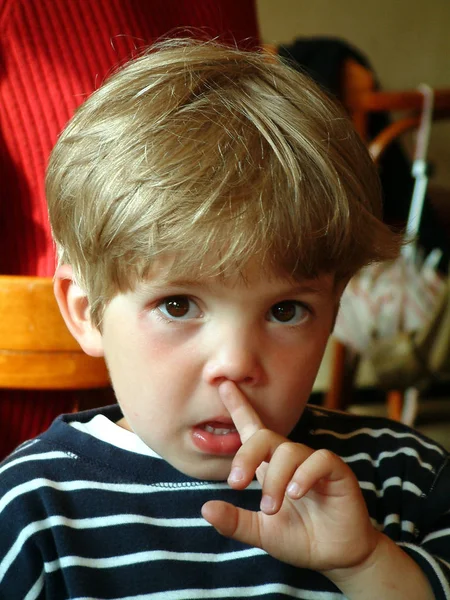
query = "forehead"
{"x": 253, "y": 275}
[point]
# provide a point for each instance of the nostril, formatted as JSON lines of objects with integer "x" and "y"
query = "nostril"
{"x": 218, "y": 380}
{"x": 237, "y": 370}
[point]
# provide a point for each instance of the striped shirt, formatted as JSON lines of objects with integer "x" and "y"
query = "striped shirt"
{"x": 83, "y": 518}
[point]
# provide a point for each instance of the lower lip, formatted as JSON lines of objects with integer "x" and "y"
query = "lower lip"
{"x": 211, "y": 443}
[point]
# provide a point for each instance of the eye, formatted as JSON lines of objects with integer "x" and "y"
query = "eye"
{"x": 179, "y": 308}
{"x": 288, "y": 311}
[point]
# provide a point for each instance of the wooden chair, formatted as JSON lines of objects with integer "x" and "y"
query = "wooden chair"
{"x": 36, "y": 349}
{"x": 361, "y": 99}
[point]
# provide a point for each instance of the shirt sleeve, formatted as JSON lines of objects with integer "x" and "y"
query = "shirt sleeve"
{"x": 432, "y": 552}
{"x": 21, "y": 560}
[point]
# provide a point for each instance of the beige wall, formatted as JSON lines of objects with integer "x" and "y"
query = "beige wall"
{"x": 407, "y": 42}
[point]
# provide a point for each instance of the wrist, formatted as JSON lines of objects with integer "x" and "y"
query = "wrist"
{"x": 387, "y": 572}
{"x": 340, "y": 576}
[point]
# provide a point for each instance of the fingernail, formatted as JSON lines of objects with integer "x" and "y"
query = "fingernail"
{"x": 267, "y": 504}
{"x": 293, "y": 490}
{"x": 236, "y": 475}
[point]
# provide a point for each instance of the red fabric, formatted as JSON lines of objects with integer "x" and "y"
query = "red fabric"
{"x": 53, "y": 54}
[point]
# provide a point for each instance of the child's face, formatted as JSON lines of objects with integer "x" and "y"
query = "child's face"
{"x": 169, "y": 345}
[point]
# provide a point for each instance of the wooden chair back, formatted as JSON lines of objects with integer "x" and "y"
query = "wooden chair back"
{"x": 36, "y": 349}
{"x": 361, "y": 98}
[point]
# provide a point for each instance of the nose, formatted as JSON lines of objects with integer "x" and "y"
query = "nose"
{"x": 235, "y": 355}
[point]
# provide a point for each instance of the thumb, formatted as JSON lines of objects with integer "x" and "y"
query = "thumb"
{"x": 233, "y": 522}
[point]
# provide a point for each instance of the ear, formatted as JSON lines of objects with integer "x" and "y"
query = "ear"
{"x": 74, "y": 307}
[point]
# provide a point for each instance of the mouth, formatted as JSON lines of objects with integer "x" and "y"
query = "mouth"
{"x": 218, "y": 429}
{"x": 216, "y": 437}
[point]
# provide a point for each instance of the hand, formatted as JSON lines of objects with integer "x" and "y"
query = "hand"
{"x": 312, "y": 515}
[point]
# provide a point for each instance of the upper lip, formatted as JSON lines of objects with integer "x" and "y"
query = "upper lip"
{"x": 220, "y": 420}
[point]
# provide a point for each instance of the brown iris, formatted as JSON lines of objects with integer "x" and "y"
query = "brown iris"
{"x": 284, "y": 311}
{"x": 177, "y": 306}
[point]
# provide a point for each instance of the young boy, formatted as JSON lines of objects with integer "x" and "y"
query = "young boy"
{"x": 209, "y": 206}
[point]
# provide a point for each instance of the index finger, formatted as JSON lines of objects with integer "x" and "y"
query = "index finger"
{"x": 245, "y": 418}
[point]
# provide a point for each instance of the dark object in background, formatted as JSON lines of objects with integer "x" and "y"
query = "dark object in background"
{"x": 322, "y": 58}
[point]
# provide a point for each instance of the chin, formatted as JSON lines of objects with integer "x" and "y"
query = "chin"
{"x": 214, "y": 470}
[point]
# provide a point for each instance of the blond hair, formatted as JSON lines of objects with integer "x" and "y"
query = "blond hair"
{"x": 215, "y": 156}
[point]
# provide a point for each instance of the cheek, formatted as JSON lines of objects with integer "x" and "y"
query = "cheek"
{"x": 137, "y": 341}
{"x": 144, "y": 362}
{"x": 156, "y": 337}
{"x": 299, "y": 359}
{"x": 294, "y": 369}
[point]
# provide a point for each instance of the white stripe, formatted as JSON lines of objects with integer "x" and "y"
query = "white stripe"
{"x": 408, "y": 526}
{"x": 122, "y": 488}
{"x": 434, "y": 564}
{"x": 377, "y": 433}
{"x": 444, "y": 562}
{"x": 231, "y": 592}
{"x": 90, "y": 523}
{"x": 113, "y": 562}
{"x": 392, "y": 481}
{"x": 383, "y": 455}
{"x": 436, "y": 534}
{"x": 25, "y": 445}
{"x": 36, "y": 589}
{"x": 32, "y": 457}
{"x": 121, "y": 519}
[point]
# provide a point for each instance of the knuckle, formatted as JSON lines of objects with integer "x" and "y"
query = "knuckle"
{"x": 263, "y": 435}
{"x": 289, "y": 450}
{"x": 326, "y": 456}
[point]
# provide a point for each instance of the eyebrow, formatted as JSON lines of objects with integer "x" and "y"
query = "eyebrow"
{"x": 192, "y": 283}
{"x": 175, "y": 283}
{"x": 308, "y": 289}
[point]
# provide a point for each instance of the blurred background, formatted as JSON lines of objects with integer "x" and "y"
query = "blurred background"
{"x": 407, "y": 42}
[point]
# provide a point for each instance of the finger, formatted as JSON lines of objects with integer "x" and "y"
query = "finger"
{"x": 284, "y": 464}
{"x": 324, "y": 470}
{"x": 245, "y": 418}
{"x": 233, "y": 522}
{"x": 251, "y": 455}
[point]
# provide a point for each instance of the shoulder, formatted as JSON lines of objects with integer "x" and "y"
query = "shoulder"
{"x": 50, "y": 455}
{"x": 347, "y": 433}
{"x": 404, "y": 476}
{"x": 33, "y": 462}
{"x": 383, "y": 454}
